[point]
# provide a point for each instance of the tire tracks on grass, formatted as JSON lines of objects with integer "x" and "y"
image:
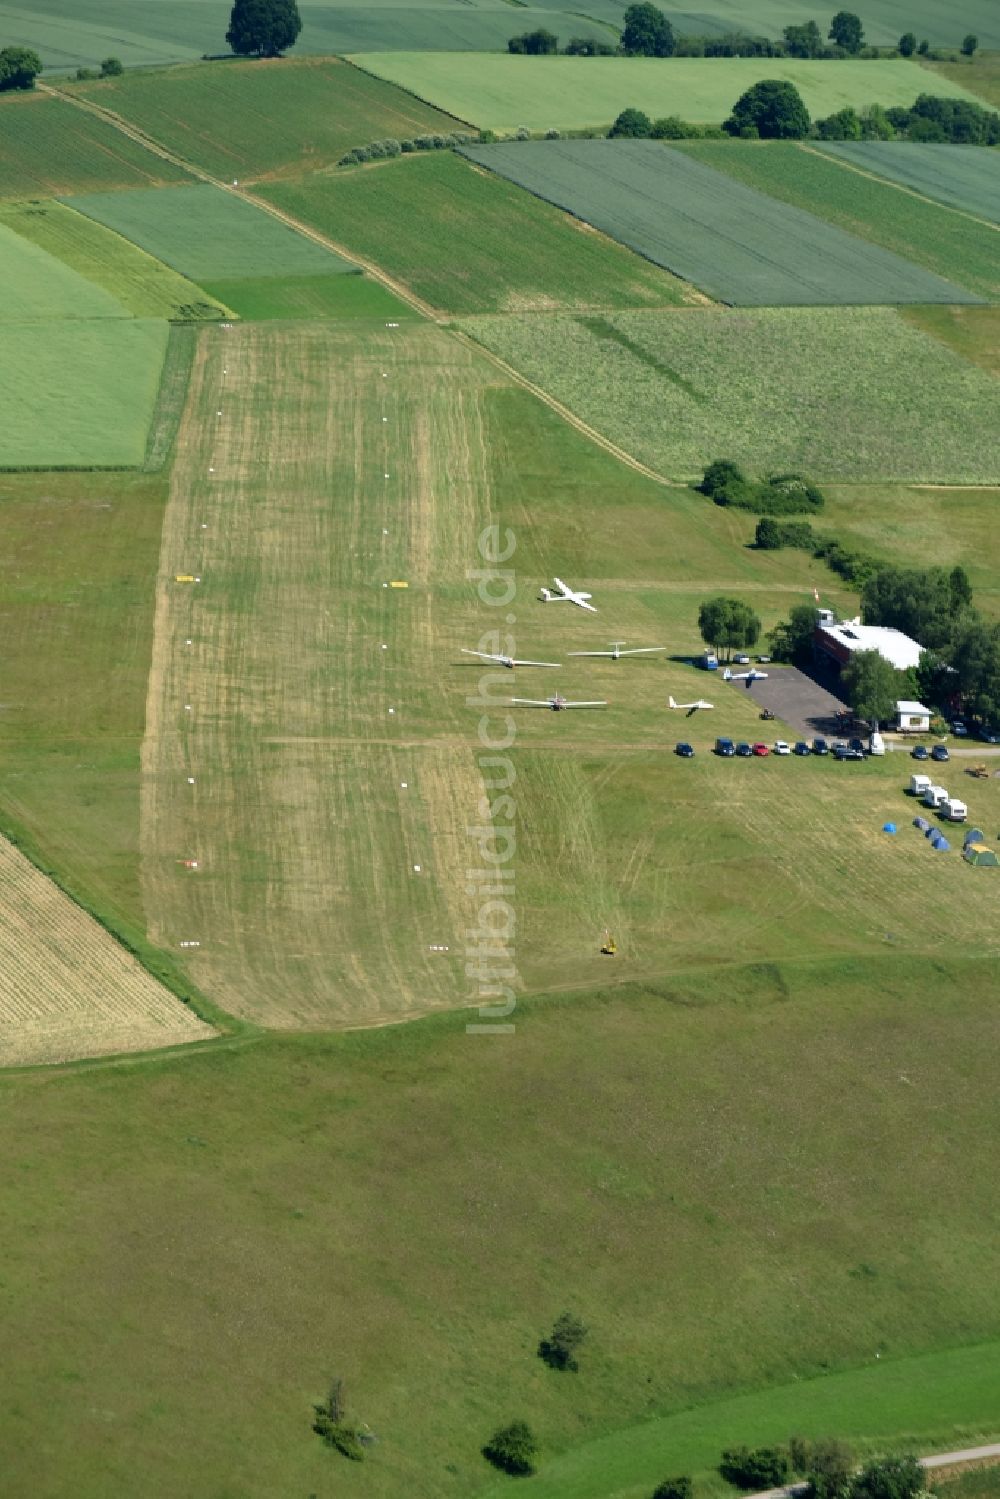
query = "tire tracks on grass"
{"x": 150, "y": 143}
{"x": 901, "y": 187}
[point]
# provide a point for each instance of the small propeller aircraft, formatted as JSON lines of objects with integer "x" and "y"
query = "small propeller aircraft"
{"x": 556, "y": 703}
{"x": 566, "y": 595}
{"x": 691, "y": 707}
{"x": 753, "y": 675}
{"x": 616, "y": 652}
{"x": 508, "y": 661}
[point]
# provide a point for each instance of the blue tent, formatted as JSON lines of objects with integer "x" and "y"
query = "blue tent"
{"x": 941, "y": 844}
{"x": 931, "y": 833}
{"x": 922, "y": 824}
{"x": 974, "y": 835}
{"x": 888, "y": 827}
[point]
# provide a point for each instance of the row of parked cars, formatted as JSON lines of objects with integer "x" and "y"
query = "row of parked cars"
{"x": 936, "y": 752}
{"x": 852, "y": 749}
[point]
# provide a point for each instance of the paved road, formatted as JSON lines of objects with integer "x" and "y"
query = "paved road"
{"x": 938, "y": 1460}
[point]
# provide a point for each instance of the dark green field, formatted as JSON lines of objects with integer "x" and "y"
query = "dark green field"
{"x": 48, "y": 147}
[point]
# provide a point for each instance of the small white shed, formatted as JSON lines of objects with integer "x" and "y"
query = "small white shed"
{"x": 912, "y": 718}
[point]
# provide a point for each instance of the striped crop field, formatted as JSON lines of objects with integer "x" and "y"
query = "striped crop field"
{"x": 676, "y": 389}
{"x": 48, "y": 147}
{"x": 503, "y": 91}
{"x": 68, "y": 989}
{"x": 965, "y": 177}
{"x": 141, "y": 285}
{"x": 737, "y": 244}
{"x": 928, "y": 234}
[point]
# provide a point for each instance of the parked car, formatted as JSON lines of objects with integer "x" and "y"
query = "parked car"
{"x": 742, "y": 659}
{"x": 920, "y": 752}
{"x": 959, "y": 729}
{"x": 686, "y": 751}
{"x": 940, "y": 752}
{"x": 801, "y": 748}
{"x": 844, "y": 752}
{"x": 782, "y": 747}
{"x": 725, "y": 747}
{"x": 761, "y": 749}
{"x": 989, "y": 735}
{"x": 820, "y": 747}
{"x": 743, "y": 749}
{"x": 764, "y": 660}
{"x": 857, "y": 744}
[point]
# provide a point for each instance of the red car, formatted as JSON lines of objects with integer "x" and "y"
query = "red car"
{"x": 761, "y": 749}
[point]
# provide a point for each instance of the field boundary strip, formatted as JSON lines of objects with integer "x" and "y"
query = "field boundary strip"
{"x": 901, "y": 187}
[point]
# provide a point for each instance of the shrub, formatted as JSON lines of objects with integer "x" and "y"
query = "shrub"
{"x": 762, "y": 1468}
{"x": 781, "y": 494}
{"x": 907, "y": 44}
{"x": 559, "y": 1349}
{"x": 552, "y": 135}
{"x": 771, "y": 535}
{"x": 773, "y": 108}
{"x": 538, "y": 43}
{"x": 486, "y": 138}
{"x": 672, "y": 128}
{"x": 889, "y": 1478}
{"x": 845, "y": 125}
{"x": 969, "y": 45}
{"x": 588, "y": 46}
{"x": 512, "y": 1449}
{"x": 341, "y": 1435}
{"x": 631, "y": 124}
{"x": 522, "y": 133}
{"x": 112, "y": 67}
{"x": 424, "y": 142}
{"x": 673, "y": 1488}
{"x": 83, "y": 75}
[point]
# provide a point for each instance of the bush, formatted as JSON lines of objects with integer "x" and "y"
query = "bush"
{"x": 522, "y": 133}
{"x": 772, "y": 535}
{"x": 559, "y": 1349}
{"x": 341, "y": 1435}
{"x": 112, "y": 67}
{"x": 486, "y": 138}
{"x": 719, "y": 475}
{"x": 781, "y": 494}
{"x": 672, "y": 128}
{"x": 907, "y": 44}
{"x": 553, "y": 135}
{"x": 773, "y": 108}
{"x": 763, "y": 1468}
{"x": 889, "y": 1478}
{"x": 673, "y": 1488}
{"x": 512, "y": 1449}
{"x": 631, "y": 124}
{"x": 845, "y": 125}
{"x": 588, "y": 46}
{"x": 83, "y": 75}
{"x": 540, "y": 43}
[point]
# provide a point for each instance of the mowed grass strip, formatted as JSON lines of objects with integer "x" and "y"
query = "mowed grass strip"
{"x": 697, "y": 1178}
{"x": 48, "y": 147}
{"x": 466, "y": 241}
{"x": 951, "y": 245}
{"x": 140, "y": 284}
{"x": 250, "y": 119}
{"x": 85, "y": 396}
{"x": 966, "y": 177}
{"x": 209, "y": 234}
{"x": 501, "y": 91}
{"x": 830, "y": 392}
{"x": 737, "y": 244}
{"x": 69, "y": 990}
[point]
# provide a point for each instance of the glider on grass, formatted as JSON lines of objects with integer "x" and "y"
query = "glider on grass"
{"x": 509, "y": 661}
{"x": 616, "y": 651}
{"x": 690, "y": 707}
{"x": 566, "y": 595}
{"x": 556, "y": 703}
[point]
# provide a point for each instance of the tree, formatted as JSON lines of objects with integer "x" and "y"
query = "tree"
{"x": 647, "y": 33}
{"x": 112, "y": 67}
{"x": 969, "y": 44}
{"x": 847, "y": 32}
{"x": 873, "y": 686}
{"x": 888, "y": 1478}
{"x": 803, "y": 41}
{"x": 829, "y": 1469}
{"x": 907, "y": 44}
{"x": 729, "y": 624}
{"x": 845, "y": 125}
{"x": 673, "y": 1488}
{"x": 764, "y": 1468}
{"x": 926, "y": 603}
{"x": 773, "y": 109}
{"x": 559, "y": 1349}
{"x": 19, "y": 67}
{"x": 512, "y": 1449}
{"x": 631, "y": 123}
{"x": 875, "y": 124}
{"x": 540, "y": 43}
{"x": 263, "y": 28}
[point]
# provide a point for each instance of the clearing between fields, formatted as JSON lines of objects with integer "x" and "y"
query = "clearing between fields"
{"x": 68, "y": 989}
{"x": 739, "y": 245}
{"x": 502, "y": 92}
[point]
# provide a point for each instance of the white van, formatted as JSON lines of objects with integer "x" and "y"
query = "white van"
{"x": 955, "y": 810}
{"x": 935, "y": 796}
{"x": 876, "y": 745}
{"x": 919, "y": 784}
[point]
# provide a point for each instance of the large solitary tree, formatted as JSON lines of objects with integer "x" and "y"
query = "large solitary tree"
{"x": 846, "y": 30}
{"x": 19, "y": 67}
{"x": 728, "y": 624}
{"x": 263, "y": 28}
{"x": 646, "y": 32}
{"x": 772, "y": 109}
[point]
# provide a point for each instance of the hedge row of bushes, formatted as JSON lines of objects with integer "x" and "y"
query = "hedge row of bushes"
{"x": 377, "y": 150}
{"x": 853, "y": 566}
{"x": 780, "y": 494}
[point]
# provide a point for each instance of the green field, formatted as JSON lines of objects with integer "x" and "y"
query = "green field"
{"x": 250, "y": 120}
{"x": 679, "y": 389}
{"x": 48, "y": 147}
{"x": 465, "y": 241}
{"x": 737, "y": 244}
{"x": 947, "y": 243}
{"x": 139, "y": 284}
{"x": 504, "y": 92}
{"x": 981, "y": 75}
{"x": 38, "y": 286}
{"x": 973, "y": 332}
{"x": 337, "y": 296}
{"x": 965, "y": 177}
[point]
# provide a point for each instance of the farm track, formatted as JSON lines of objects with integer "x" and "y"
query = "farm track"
{"x": 372, "y": 267}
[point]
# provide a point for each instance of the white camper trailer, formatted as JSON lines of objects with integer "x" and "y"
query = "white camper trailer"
{"x": 919, "y": 784}
{"x": 936, "y": 797}
{"x": 955, "y": 810}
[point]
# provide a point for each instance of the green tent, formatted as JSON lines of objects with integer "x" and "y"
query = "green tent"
{"x": 978, "y": 853}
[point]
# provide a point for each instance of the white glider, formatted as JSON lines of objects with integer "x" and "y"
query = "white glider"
{"x": 701, "y": 703}
{"x": 753, "y": 675}
{"x": 508, "y": 661}
{"x": 566, "y": 595}
{"x": 556, "y": 703}
{"x": 616, "y": 651}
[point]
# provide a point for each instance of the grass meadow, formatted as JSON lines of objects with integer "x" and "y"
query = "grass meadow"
{"x": 137, "y": 283}
{"x": 502, "y": 92}
{"x": 252, "y": 120}
{"x": 973, "y": 332}
{"x": 737, "y": 1182}
{"x": 947, "y": 243}
{"x": 678, "y": 389}
{"x": 48, "y": 147}
{"x": 964, "y": 177}
{"x": 466, "y": 241}
{"x": 739, "y": 245}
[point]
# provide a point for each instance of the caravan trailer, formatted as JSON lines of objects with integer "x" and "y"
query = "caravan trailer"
{"x": 919, "y": 784}
{"x": 936, "y": 797}
{"x": 955, "y": 810}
